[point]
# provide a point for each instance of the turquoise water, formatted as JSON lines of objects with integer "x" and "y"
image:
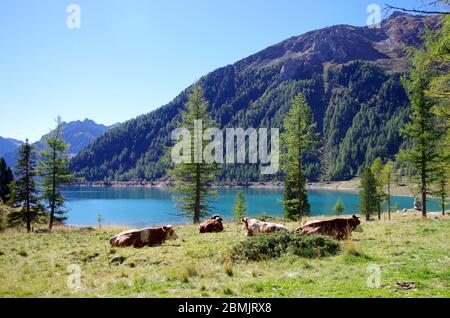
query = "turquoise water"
{"x": 144, "y": 207}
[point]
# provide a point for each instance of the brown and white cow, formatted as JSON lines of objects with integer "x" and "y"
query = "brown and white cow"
{"x": 213, "y": 225}
{"x": 255, "y": 227}
{"x": 340, "y": 228}
{"x": 144, "y": 237}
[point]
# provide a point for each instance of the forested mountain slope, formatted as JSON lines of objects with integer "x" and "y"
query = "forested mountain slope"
{"x": 350, "y": 76}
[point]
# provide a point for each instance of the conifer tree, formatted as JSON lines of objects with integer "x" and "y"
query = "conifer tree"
{"x": 297, "y": 139}
{"x": 240, "y": 207}
{"x": 338, "y": 208}
{"x": 6, "y": 177}
{"x": 377, "y": 168}
{"x": 422, "y": 131}
{"x": 24, "y": 194}
{"x": 368, "y": 201}
{"x": 194, "y": 177}
{"x": 55, "y": 173}
{"x": 387, "y": 176}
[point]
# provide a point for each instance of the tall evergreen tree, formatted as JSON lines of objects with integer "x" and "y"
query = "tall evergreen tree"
{"x": 297, "y": 138}
{"x": 24, "y": 191}
{"x": 368, "y": 201}
{"x": 388, "y": 174}
{"x": 438, "y": 57}
{"x": 240, "y": 207}
{"x": 442, "y": 183}
{"x": 6, "y": 177}
{"x": 54, "y": 171}
{"x": 338, "y": 208}
{"x": 193, "y": 178}
{"x": 377, "y": 168}
{"x": 423, "y": 130}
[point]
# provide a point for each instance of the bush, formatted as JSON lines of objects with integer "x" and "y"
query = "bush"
{"x": 270, "y": 246}
{"x": 4, "y": 211}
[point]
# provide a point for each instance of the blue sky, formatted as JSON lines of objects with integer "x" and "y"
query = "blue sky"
{"x": 132, "y": 56}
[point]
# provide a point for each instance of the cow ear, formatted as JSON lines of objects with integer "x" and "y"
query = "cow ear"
{"x": 355, "y": 217}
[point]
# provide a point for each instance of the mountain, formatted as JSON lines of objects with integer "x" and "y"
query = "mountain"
{"x": 349, "y": 75}
{"x": 8, "y": 145}
{"x": 77, "y": 134}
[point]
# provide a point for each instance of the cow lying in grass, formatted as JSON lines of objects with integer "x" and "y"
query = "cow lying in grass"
{"x": 144, "y": 237}
{"x": 340, "y": 228}
{"x": 213, "y": 225}
{"x": 255, "y": 227}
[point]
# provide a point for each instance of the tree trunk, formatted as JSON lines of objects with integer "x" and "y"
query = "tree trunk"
{"x": 27, "y": 171}
{"x": 53, "y": 199}
{"x": 443, "y": 204}
{"x": 423, "y": 176}
{"x": 389, "y": 200}
{"x": 379, "y": 210}
{"x": 424, "y": 193}
{"x": 197, "y": 195}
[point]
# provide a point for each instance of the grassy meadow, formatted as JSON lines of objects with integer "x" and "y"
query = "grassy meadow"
{"x": 406, "y": 249}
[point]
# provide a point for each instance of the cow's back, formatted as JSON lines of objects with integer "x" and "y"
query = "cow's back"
{"x": 210, "y": 226}
{"x": 139, "y": 238}
{"x": 336, "y": 228}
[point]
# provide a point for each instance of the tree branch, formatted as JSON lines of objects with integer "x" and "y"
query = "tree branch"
{"x": 416, "y": 11}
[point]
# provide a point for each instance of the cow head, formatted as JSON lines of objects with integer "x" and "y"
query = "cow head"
{"x": 216, "y": 217}
{"x": 170, "y": 233}
{"x": 355, "y": 224}
{"x": 245, "y": 223}
{"x": 246, "y": 227}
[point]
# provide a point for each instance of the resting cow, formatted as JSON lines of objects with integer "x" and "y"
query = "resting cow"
{"x": 255, "y": 227}
{"x": 340, "y": 228}
{"x": 144, "y": 237}
{"x": 213, "y": 225}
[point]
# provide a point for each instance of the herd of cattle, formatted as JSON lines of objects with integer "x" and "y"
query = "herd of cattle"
{"x": 339, "y": 228}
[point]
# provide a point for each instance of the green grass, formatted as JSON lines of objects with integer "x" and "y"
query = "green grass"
{"x": 407, "y": 249}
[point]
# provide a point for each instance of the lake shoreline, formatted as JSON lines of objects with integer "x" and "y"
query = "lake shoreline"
{"x": 139, "y": 206}
{"x": 229, "y": 221}
{"x": 340, "y": 186}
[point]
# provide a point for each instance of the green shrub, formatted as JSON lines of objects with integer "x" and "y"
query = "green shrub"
{"x": 270, "y": 246}
{"x": 4, "y": 211}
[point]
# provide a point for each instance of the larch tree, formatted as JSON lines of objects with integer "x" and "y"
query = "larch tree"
{"x": 240, "y": 207}
{"x": 368, "y": 199}
{"x": 6, "y": 177}
{"x": 54, "y": 172}
{"x": 423, "y": 130}
{"x": 377, "y": 167}
{"x": 387, "y": 177}
{"x": 442, "y": 182}
{"x": 297, "y": 139}
{"x": 24, "y": 195}
{"x": 438, "y": 57}
{"x": 338, "y": 208}
{"x": 193, "y": 175}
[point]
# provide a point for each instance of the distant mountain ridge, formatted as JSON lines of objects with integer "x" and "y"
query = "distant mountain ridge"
{"x": 349, "y": 75}
{"x": 8, "y": 145}
{"x": 77, "y": 134}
